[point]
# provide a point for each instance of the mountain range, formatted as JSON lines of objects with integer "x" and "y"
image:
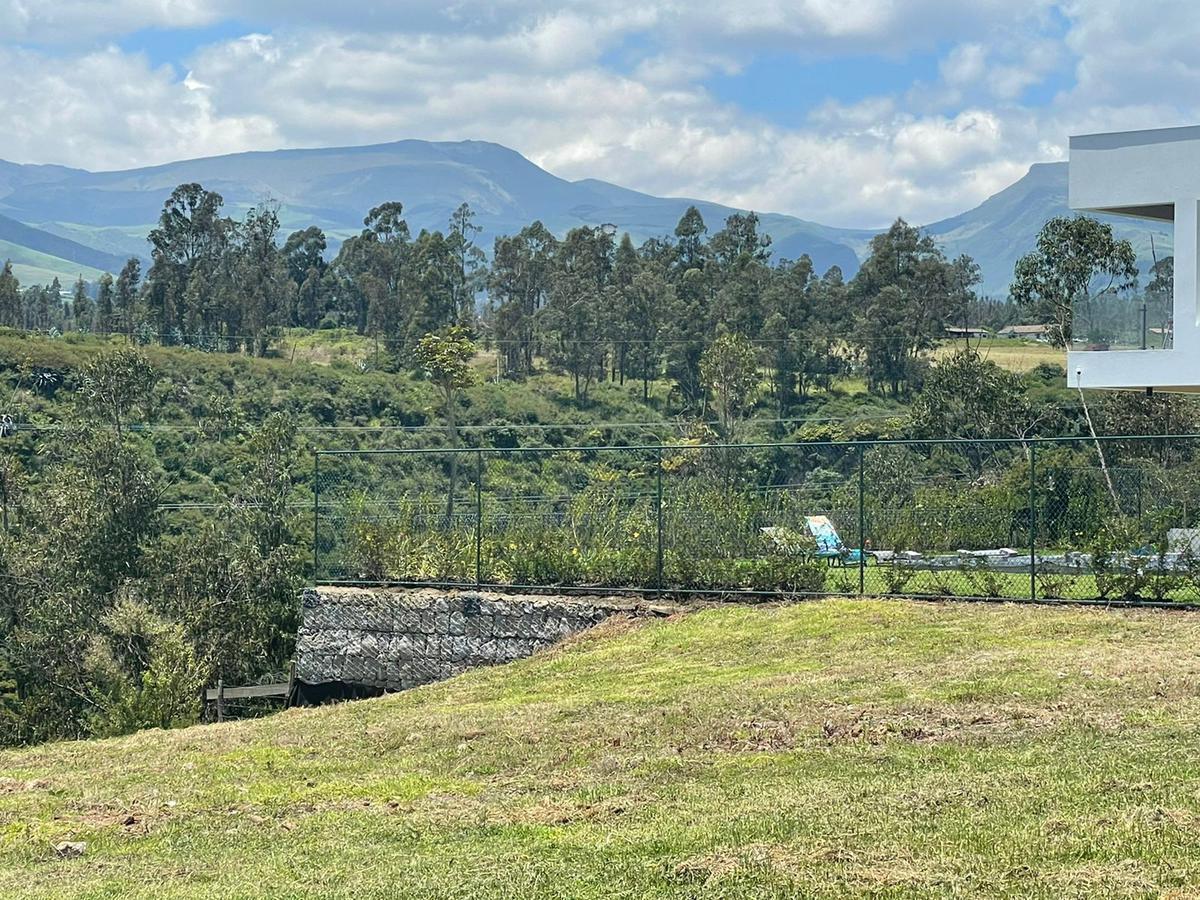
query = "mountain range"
{"x": 64, "y": 222}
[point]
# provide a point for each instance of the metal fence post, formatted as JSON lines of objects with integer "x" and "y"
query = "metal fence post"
{"x": 478, "y": 519}
{"x": 862, "y": 522}
{"x": 1033, "y": 520}
{"x": 316, "y": 550}
{"x": 658, "y": 505}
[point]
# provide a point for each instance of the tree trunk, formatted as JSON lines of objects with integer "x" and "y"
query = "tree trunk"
{"x": 452, "y": 431}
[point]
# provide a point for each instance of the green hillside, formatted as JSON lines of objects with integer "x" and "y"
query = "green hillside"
{"x": 824, "y": 749}
{"x": 121, "y": 241}
{"x": 33, "y": 267}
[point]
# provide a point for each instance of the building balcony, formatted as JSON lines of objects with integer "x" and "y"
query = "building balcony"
{"x": 1151, "y": 175}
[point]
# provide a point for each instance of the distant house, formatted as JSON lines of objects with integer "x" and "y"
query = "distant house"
{"x": 1027, "y": 332}
{"x": 968, "y": 332}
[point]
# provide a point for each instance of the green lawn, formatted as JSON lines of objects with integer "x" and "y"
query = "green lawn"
{"x": 833, "y": 748}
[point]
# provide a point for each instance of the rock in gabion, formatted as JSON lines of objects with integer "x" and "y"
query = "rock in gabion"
{"x": 391, "y": 639}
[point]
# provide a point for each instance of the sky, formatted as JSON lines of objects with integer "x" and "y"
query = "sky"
{"x": 846, "y": 113}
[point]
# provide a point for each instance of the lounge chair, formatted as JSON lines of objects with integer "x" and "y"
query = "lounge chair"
{"x": 829, "y": 545}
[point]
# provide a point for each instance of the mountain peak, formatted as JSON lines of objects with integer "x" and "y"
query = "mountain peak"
{"x": 110, "y": 213}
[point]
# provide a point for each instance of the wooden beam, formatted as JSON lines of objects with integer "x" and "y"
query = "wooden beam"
{"x": 280, "y": 689}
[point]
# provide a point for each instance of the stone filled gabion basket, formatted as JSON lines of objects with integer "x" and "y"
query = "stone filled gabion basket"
{"x": 391, "y": 638}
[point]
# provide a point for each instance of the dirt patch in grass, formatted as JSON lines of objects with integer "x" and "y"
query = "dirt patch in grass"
{"x": 23, "y": 786}
{"x": 973, "y": 724}
{"x": 566, "y": 812}
{"x": 612, "y": 627}
{"x": 748, "y": 860}
{"x": 933, "y": 726}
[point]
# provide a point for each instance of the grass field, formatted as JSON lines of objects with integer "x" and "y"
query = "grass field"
{"x": 1015, "y": 355}
{"x": 34, "y": 267}
{"x": 837, "y": 748}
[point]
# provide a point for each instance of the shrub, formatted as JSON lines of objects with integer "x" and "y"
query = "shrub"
{"x": 146, "y": 672}
{"x": 982, "y": 580}
{"x": 1118, "y": 573}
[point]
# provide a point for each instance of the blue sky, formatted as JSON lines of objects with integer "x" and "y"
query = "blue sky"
{"x": 848, "y": 114}
{"x": 785, "y": 87}
{"x": 174, "y": 46}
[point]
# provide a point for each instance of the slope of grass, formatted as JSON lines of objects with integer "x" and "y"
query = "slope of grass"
{"x": 35, "y": 267}
{"x": 834, "y": 748}
{"x": 119, "y": 240}
{"x": 1008, "y": 353}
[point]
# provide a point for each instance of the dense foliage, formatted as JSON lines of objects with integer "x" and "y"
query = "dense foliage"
{"x": 589, "y": 304}
{"x": 156, "y": 498}
{"x": 112, "y": 617}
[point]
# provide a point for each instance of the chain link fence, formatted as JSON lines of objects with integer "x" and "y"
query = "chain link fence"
{"x": 1110, "y": 520}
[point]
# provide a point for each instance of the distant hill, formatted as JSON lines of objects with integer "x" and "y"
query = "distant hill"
{"x": 1005, "y": 226}
{"x": 53, "y": 245}
{"x": 109, "y": 213}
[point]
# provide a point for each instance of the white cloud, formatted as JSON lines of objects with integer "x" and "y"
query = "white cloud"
{"x": 540, "y": 77}
{"x": 965, "y": 65}
{"x": 106, "y": 109}
{"x": 78, "y": 21}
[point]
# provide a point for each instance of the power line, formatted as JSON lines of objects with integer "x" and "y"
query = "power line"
{"x": 220, "y": 433}
{"x": 186, "y": 342}
{"x": 515, "y": 426}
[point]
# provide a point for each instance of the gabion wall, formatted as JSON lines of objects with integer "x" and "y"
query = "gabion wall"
{"x": 392, "y": 639}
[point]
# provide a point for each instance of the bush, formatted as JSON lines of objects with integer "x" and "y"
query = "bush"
{"x": 1119, "y": 574}
{"x": 146, "y": 672}
{"x": 983, "y": 581}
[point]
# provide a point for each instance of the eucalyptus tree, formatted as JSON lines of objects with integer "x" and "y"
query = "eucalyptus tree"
{"x": 125, "y": 293}
{"x": 10, "y": 297}
{"x": 650, "y": 299}
{"x": 188, "y": 246}
{"x": 580, "y": 292}
{"x": 904, "y": 295}
{"x": 796, "y": 330}
{"x": 740, "y": 274}
{"x": 260, "y": 284}
{"x": 102, "y": 318}
{"x": 81, "y": 306}
{"x": 519, "y": 285}
{"x": 439, "y": 291}
{"x": 691, "y": 315}
{"x": 304, "y": 255}
{"x": 1076, "y": 260}
{"x": 729, "y": 370}
{"x": 470, "y": 263}
{"x": 445, "y": 358}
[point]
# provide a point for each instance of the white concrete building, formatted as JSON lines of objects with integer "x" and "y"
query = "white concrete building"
{"x": 1149, "y": 175}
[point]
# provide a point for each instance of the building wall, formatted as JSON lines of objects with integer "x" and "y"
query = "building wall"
{"x": 389, "y": 639}
{"x": 1148, "y": 174}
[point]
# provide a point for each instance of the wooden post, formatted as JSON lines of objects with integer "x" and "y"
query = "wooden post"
{"x": 220, "y": 700}
{"x": 287, "y": 700}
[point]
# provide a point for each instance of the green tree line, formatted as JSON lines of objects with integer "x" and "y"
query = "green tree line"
{"x": 591, "y": 304}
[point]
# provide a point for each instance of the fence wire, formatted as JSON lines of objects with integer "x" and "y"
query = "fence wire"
{"x": 1055, "y": 519}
